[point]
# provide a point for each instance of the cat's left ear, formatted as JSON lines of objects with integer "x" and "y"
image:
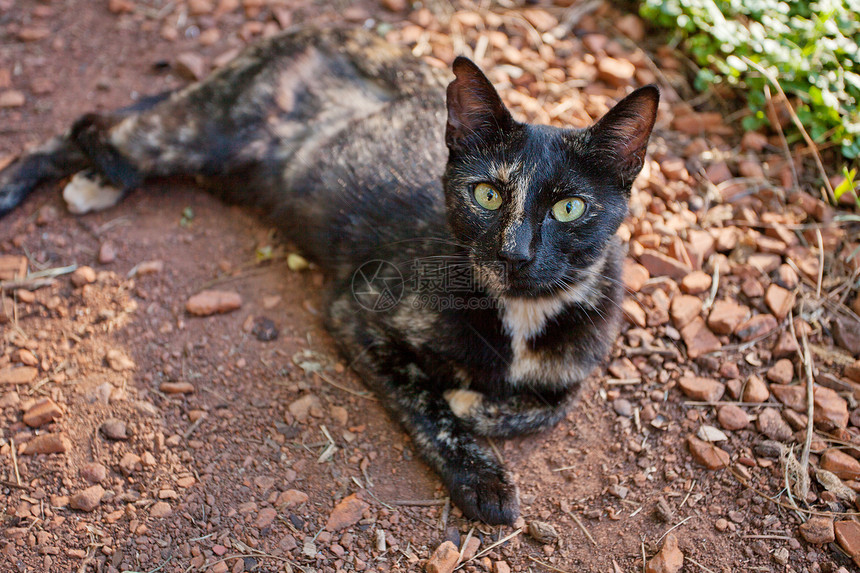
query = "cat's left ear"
{"x": 621, "y": 136}
{"x": 475, "y": 110}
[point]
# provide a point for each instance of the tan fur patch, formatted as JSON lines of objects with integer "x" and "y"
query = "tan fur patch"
{"x": 463, "y": 402}
{"x": 83, "y": 195}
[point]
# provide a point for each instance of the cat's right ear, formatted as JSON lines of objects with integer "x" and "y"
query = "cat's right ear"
{"x": 475, "y": 110}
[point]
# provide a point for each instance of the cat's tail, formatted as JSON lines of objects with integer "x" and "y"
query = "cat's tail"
{"x": 52, "y": 161}
{"x": 80, "y": 148}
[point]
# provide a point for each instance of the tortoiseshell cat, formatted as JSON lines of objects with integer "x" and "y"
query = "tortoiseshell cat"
{"x": 473, "y": 263}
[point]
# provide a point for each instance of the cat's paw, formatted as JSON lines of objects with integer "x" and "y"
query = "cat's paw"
{"x": 488, "y": 496}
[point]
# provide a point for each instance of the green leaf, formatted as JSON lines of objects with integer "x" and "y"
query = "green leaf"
{"x": 847, "y": 185}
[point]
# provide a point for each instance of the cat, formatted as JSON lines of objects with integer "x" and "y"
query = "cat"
{"x": 472, "y": 260}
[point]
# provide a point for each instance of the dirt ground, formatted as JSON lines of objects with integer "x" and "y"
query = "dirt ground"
{"x": 218, "y": 449}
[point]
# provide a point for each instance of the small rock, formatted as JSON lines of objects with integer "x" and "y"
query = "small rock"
{"x": 779, "y": 300}
{"x": 792, "y": 396}
{"x": 296, "y": 262}
{"x": 176, "y": 387}
{"x": 443, "y": 560}
{"x": 696, "y": 282}
{"x": 395, "y": 5}
{"x": 782, "y": 372}
{"x": 622, "y": 407}
{"x": 634, "y": 275}
{"x": 88, "y": 499}
{"x": 726, "y": 315}
{"x": 18, "y": 375}
{"x": 701, "y": 389}
{"x": 852, "y": 371}
{"x": 755, "y": 390}
{"x": 290, "y": 498}
{"x": 707, "y": 454}
{"x": 304, "y": 406}
{"x": 771, "y": 424}
{"x": 543, "y": 532}
{"x": 346, "y": 513}
{"x": 684, "y": 309}
{"x": 841, "y": 464}
{"x": 670, "y": 559}
{"x": 210, "y": 302}
{"x": 846, "y": 332}
{"x": 718, "y": 172}
{"x": 83, "y": 276}
{"x": 130, "y": 463}
{"x": 721, "y": 524}
{"x": 149, "y": 268}
{"x": 831, "y": 409}
{"x": 191, "y": 66}
{"x": 757, "y": 327}
{"x": 118, "y": 360}
{"x": 711, "y": 434}
{"x": 699, "y": 339}
{"x": 818, "y": 530}
{"x": 659, "y": 265}
{"x": 12, "y": 98}
{"x": 785, "y": 346}
{"x": 160, "y": 509}
{"x": 114, "y": 429}
{"x": 107, "y": 253}
{"x": 848, "y": 535}
{"x": 732, "y": 417}
{"x": 42, "y": 412}
{"x": 264, "y": 329}
{"x": 501, "y": 567}
{"x": 616, "y": 73}
{"x": 94, "y": 472}
{"x": 47, "y": 444}
{"x": 633, "y": 312}
{"x": 265, "y": 518}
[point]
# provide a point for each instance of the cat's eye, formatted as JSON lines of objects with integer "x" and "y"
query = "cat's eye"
{"x": 487, "y": 196}
{"x": 569, "y": 209}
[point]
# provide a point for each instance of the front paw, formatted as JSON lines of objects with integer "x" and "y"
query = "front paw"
{"x": 489, "y": 495}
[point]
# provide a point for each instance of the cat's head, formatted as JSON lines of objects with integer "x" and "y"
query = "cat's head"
{"x": 537, "y": 205}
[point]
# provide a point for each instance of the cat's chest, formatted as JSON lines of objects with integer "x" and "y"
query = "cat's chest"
{"x": 537, "y": 359}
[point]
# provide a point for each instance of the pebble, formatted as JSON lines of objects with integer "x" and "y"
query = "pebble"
{"x": 711, "y": 434}
{"x": 88, "y": 499}
{"x": 130, "y": 463}
{"x": 501, "y": 567}
{"x": 792, "y": 396}
{"x": 848, "y": 535}
{"x": 12, "y": 98}
{"x": 114, "y": 429}
{"x": 83, "y": 276}
{"x": 210, "y": 302}
{"x": 176, "y": 387}
{"x": 265, "y": 518}
{"x": 701, "y": 389}
{"x": 755, "y": 390}
{"x": 779, "y": 300}
{"x": 818, "y": 530}
{"x": 756, "y": 327}
{"x": 622, "y": 407}
{"x": 634, "y": 275}
{"x": 841, "y": 464}
{"x": 684, "y": 309}
{"x": 93, "y": 472}
{"x": 846, "y": 332}
{"x": 290, "y": 498}
{"x": 633, "y": 312}
{"x": 304, "y": 406}
{"x": 443, "y": 559}
{"x": 616, "y": 73}
{"x": 264, "y": 329}
{"x": 771, "y": 424}
{"x": 543, "y": 532}
{"x": 190, "y": 66}
{"x": 660, "y": 265}
{"x": 670, "y": 559}
{"x": 346, "y": 513}
{"x": 831, "y": 409}
{"x": 107, "y": 253}
{"x": 118, "y": 360}
{"x": 149, "y": 268}
{"x": 707, "y": 454}
{"x": 726, "y": 315}
{"x": 699, "y": 339}
{"x": 47, "y": 444}
{"x": 160, "y": 509}
{"x": 782, "y": 372}
{"x": 696, "y": 282}
{"x": 42, "y": 412}
{"x": 18, "y": 375}
{"x": 732, "y": 417}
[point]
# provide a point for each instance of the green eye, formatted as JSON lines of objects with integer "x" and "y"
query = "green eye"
{"x": 569, "y": 209}
{"x": 487, "y": 197}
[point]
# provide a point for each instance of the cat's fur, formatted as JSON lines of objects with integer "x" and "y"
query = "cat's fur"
{"x": 344, "y": 141}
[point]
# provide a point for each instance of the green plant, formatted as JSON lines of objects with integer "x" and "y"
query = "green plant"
{"x": 813, "y": 48}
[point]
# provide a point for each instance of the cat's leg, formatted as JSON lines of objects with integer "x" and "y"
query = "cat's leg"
{"x": 524, "y": 413}
{"x": 477, "y": 482}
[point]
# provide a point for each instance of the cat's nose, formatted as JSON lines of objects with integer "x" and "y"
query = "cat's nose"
{"x": 516, "y": 256}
